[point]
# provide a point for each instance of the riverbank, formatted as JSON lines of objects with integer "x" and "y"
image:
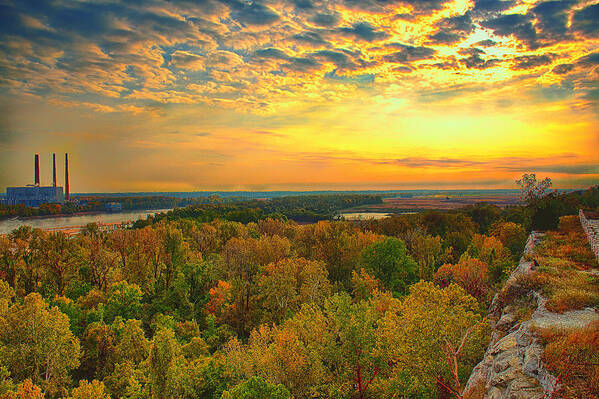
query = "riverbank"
{"x": 72, "y": 224}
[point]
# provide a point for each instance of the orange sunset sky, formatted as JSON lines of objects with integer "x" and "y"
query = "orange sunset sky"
{"x": 299, "y": 94}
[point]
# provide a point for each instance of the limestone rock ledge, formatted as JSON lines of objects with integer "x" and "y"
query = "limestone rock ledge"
{"x": 512, "y": 367}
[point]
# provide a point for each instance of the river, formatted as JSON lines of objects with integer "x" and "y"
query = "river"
{"x": 364, "y": 216}
{"x": 74, "y": 223}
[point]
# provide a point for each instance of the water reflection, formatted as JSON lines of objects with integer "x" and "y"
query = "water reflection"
{"x": 75, "y": 222}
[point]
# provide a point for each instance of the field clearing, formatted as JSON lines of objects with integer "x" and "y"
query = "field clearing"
{"x": 401, "y": 205}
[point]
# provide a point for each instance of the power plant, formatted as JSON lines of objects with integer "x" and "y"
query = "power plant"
{"x": 36, "y": 194}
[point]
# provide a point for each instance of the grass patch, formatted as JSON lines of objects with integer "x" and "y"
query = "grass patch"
{"x": 562, "y": 256}
{"x": 573, "y": 357}
{"x": 569, "y": 243}
{"x": 565, "y": 299}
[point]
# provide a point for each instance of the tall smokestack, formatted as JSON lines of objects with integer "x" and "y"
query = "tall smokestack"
{"x": 54, "y": 170}
{"x": 37, "y": 170}
{"x": 67, "y": 195}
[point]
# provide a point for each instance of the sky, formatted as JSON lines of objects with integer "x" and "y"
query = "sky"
{"x": 299, "y": 94}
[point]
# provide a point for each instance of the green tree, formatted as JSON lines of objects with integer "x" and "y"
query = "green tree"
{"x": 57, "y": 253}
{"x": 9, "y": 261}
{"x": 492, "y": 252}
{"x": 163, "y": 351}
{"x": 328, "y": 351}
{"x": 176, "y": 253}
{"x": 244, "y": 260}
{"x": 98, "y": 350}
{"x": 131, "y": 342}
{"x": 257, "y": 388}
{"x": 390, "y": 263}
{"x": 426, "y": 251}
{"x": 546, "y": 213}
{"x": 124, "y": 301}
{"x": 96, "y": 257}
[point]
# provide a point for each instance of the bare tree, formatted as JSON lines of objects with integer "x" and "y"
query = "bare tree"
{"x": 531, "y": 189}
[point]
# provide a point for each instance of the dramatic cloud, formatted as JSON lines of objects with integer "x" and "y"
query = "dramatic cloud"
{"x": 364, "y": 31}
{"x": 408, "y": 53}
{"x": 453, "y": 29}
{"x": 492, "y": 5}
{"x": 589, "y": 60}
{"x": 586, "y": 21}
{"x": 326, "y": 20}
{"x": 433, "y": 80}
{"x": 552, "y": 19}
{"x": 532, "y": 61}
{"x": 517, "y": 25}
{"x": 562, "y": 69}
{"x": 251, "y": 13}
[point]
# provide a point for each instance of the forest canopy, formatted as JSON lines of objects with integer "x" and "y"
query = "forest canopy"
{"x": 187, "y": 306}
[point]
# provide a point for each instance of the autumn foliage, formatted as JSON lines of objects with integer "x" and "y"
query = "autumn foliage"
{"x": 469, "y": 273}
{"x": 185, "y": 308}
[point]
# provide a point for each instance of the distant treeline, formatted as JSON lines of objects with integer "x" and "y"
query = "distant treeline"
{"x": 541, "y": 214}
{"x": 307, "y": 208}
{"x": 98, "y": 204}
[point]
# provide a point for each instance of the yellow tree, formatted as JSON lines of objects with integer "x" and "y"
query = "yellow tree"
{"x": 244, "y": 259}
{"x": 436, "y": 337}
{"x": 287, "y": 284}
{"x": 58, "y": 258}
{"x": 492, "y": 252}
{"x": 37, "y": 343}
{"x": 204, "y": 239}
{"x": 511, "y": 235}
{"x": 121, "y": 241}
{"x": 89, "y": 390}
{"x": 98, "y": 257}
{"x": 29, "y": 246}
{"x": 9, "y": 260}
{"x": 26, "y": 390}
{"x": 426, "y": 251}
{"x": 327, "y": 351}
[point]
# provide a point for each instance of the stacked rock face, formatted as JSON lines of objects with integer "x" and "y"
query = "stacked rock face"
{"x": 591, "y": 229}
{"x": 512, "y": 367}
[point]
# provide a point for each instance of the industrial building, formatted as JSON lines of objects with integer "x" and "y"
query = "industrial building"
{"x": 35, "y": 194}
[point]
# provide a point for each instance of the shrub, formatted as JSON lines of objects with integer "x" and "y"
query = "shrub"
{"x": 573, "y": 357}
{"x": 546, "y": 214}
{"x": 520, "y": 287}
